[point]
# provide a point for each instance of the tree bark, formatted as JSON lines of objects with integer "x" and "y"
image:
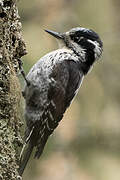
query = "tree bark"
{"x": 12, "y": 48}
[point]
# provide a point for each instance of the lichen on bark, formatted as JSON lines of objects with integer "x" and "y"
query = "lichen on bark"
{"x": 12, "y": 48}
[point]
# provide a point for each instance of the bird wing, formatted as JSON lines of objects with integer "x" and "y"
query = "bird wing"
{"x": 48, "y": 99}
{"x": 67, "y": 79}
{"x": 75, "y": 79}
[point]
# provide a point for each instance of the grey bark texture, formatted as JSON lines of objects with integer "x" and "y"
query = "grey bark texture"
{"x": 12, "y": 47}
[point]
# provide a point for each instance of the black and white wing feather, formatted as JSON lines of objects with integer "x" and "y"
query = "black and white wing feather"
{"x": 47, "y": 97}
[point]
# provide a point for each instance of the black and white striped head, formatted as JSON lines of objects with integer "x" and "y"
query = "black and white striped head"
{"x": 87, "y": 39}
{"x": 84, "y": 42}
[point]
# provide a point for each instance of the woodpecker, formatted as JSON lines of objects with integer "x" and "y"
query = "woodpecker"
{"x": 52, "y": 83}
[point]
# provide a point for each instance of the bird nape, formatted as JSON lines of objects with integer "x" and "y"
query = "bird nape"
{"x": 52, "y": 83}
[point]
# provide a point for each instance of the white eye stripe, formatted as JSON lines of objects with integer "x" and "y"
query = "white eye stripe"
{"x": 93, "y": 42}
{"x": 97, "y": 48}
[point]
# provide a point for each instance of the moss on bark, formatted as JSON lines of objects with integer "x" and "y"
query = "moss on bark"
{"x": 12, "y": 47}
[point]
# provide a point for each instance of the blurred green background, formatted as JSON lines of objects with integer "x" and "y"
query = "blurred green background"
{"x": 86, "y": 145}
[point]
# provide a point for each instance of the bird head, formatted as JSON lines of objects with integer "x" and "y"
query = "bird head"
{"x": 84, "y": 42}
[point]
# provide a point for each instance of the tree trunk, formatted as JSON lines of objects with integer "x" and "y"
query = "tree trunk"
{"x": 12, "y": 48}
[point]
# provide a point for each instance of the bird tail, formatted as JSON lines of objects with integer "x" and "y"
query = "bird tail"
{"x": 40, "y": 147}
{"x": 25, "y": 159}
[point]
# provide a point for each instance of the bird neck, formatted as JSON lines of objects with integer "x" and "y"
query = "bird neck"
{"x": 89, "y": 60}
{"x": 85, "y": 57}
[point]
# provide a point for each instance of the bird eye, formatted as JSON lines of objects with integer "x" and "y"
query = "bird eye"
{"x": 77, "y": 38}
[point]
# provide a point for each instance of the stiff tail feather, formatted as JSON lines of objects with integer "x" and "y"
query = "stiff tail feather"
{"x": 40, "y": 147}
{"x": 25, "y": 159}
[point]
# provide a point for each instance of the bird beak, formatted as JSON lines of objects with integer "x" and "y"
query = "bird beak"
{"x": 55, "y": 34}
